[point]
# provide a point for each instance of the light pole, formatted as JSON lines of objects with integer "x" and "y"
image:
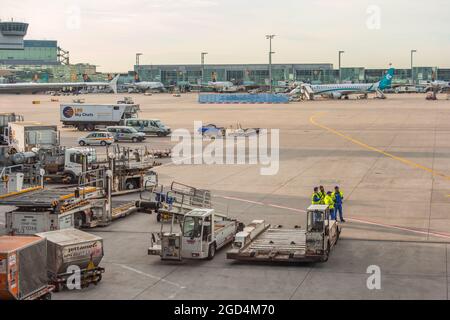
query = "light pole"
{"x": 412, "y": 65}
{"x": 136, "y": 72}
{"x": 137, "y": 58}
{"x": 270, "y": 37}
{"x": 203, "y": 66}
{"x": 340, "y": 59}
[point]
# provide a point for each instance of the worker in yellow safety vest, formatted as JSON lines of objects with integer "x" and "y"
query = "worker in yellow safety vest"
{"x": 315, "y": 198}
{"x": 328, "y": 200}
{"x": 322, "y": 195}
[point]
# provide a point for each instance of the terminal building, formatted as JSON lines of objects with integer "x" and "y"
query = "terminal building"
{"x": 45, "y": 61}
{"x": 258, "y": 74}
{"x": 37, "y": 60}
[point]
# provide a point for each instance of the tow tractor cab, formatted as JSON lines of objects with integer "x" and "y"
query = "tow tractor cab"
{"x": 66, "y": 163}
{"x": 76, "y": 158}
{"x": 322, "y": 233}
{"x": 149, "y": 126}
{"x": 202, "y": 233}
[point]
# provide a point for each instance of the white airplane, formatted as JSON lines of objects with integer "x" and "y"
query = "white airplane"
{"x": 338, "y": 91}
{"x": 435, "y": 85}
{"x": 34, "y": 87}
{"x": 222, "y": 86}
{"x": 146, "y": 85}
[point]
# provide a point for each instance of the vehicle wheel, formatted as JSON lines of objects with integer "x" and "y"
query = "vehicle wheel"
{"x": 58, "y": 287}
{"x": 338, "y": 230}
{"x": 134, "y": 140}
{"x": 103, "y": 143}
{"x": 69, "y": 178}
{"x": 81, "y": 127}
{"x": 130, "y": 185}
{"x": 327, "y": 253}
{"x": 48, "y": 296}
{"x": 82, "y": 143}
{"x": 158, "y": 217}
{"x": 90, "y": 127}
{"x": 211, "y": 251}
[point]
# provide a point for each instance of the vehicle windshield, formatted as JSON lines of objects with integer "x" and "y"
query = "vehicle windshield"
{"x": 192, "y": 227}
{"x": 159, "y": 124}
{"x": 131, "y": 130}
{"x": 92, "y": 157}
{"x": 315, "y": 221}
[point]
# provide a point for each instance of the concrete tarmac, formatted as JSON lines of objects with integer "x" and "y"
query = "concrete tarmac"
{"x": 390, "y": 157}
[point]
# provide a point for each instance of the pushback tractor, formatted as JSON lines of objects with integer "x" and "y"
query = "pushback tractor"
{"x": 203, "y": 232}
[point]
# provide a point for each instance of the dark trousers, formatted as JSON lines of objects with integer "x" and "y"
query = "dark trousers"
{"x": 332, "y": 214}
{"x": 338, "y": 208}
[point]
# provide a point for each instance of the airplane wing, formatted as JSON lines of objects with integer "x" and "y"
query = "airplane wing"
{"x": 38, "y": 87}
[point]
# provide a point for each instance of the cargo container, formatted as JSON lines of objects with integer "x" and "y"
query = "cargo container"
{"x": 30, "y": 223}
{"x": 23, "y": 269}
{"x": 5, "y": 119}
{"x": 26, "y": 135}
{"x": 72, "y": 247}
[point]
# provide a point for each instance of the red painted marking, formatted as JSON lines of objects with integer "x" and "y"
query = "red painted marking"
{"x": 433, "y": 233}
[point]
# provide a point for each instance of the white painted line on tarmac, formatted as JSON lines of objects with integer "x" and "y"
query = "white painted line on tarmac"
{"x": 435, "y": 234}
{"x": 179, "y": 161}
{"x": 151, "y": 276}
{"x": 262, "y": 203}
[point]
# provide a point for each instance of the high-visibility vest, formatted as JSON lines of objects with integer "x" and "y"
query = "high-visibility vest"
{"x": 316, "y": 199}
{"x": 329, "y": 201}
{"x": 333, "y": 196}
{"x": 322, "y": 197}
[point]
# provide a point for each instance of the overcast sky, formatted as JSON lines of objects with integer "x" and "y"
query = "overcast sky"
{"x": 108, "y": 33}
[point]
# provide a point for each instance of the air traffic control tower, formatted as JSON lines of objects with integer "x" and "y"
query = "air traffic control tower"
{"x": 12, "y": 34}
{"x": 14, "y": 50}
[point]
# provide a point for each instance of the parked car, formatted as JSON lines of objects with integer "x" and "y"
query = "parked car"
{"x": 96, "y": 138}
{"x": 122, "y": 133}
{"x": 211, "y": 130}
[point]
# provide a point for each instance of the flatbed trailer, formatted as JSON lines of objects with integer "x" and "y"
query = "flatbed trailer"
{"x": 266, "y": 243}
{"x": 43, "y": 294}
{"x": 131, "y": 169}
{"x": 38, "y": 197}
{"x": 42, "y": 210}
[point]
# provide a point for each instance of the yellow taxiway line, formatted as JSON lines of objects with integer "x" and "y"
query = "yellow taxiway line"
{"x": 410, "y": 163}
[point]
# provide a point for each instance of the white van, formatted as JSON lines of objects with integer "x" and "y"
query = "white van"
{"x": 149, "y": 126}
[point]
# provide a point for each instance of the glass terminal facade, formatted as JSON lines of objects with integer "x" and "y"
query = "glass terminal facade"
{"x": 258, "y": 74}
{"x": 33, "y": 52}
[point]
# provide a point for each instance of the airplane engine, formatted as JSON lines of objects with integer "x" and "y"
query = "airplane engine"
{"x": 336, "y": 95}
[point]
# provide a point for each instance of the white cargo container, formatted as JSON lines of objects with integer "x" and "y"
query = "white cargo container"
{"x": 26, "y": 135}
{"x": 30, "y": 223}
{"x": 71, "y": 247}
{"x": 88, "y": 116}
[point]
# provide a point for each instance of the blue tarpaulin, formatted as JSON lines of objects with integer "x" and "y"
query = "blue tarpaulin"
{"x": 243, "y": 98}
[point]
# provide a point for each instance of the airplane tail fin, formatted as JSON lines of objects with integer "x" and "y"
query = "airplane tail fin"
{"x": 113, "y": 83}
{"x": 386, "y": 82}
